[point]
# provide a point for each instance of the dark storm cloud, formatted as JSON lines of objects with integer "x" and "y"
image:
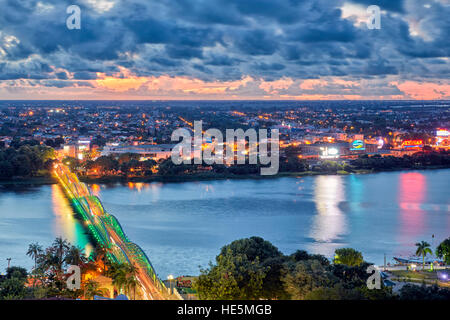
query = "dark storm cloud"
{"x": 63, "y": 84}
{"x": 220, "y": 39}
{"x": 392, "y": 5}
{"x": 84, "y": 75}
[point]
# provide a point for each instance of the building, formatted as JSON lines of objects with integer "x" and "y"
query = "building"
{"x": 152, "y": 151}
{"x": 325, "y": 150}
{"x": 77, "y": 149}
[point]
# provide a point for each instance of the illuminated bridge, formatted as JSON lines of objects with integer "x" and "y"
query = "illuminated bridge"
{"x": 108, "y": 233}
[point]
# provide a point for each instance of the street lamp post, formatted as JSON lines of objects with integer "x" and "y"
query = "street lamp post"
{"x": 170, "y": 278}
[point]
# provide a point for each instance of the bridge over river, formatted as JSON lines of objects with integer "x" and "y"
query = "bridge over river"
{"x": 108, "y": 233}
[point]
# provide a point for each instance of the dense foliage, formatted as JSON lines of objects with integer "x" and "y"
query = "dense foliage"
{"x": 126, "y": 164}
{"x": 418, "y": 160}
{"x": 293, "y": 163}
{"x": 349, "y": 257}
{"x": 25, "y": 160}
{"x": 414, "y": 292}
{"x": 443, "y": 251}
{"x": 255, "y": 269}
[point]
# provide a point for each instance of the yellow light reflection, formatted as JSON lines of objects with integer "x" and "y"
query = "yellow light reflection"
{"x": 95, "y": 188}
{"x": 65, "y": 224}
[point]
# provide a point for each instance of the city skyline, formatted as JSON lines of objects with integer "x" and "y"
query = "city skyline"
{"x": 224, "y": 50}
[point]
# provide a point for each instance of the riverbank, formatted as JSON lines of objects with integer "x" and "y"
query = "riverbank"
{"x": 201, "y": 177}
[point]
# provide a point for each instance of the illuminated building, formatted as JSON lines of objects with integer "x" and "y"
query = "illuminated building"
{"x": 70, "y": 150}
{"x": 156, "y": 152}
{"x": 442, "y": 138}
{"x": 329, "y": 153}
{"x": 412, "y": 144}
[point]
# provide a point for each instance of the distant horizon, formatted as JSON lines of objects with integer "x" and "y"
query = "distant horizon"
{"x": 228, "y": 100}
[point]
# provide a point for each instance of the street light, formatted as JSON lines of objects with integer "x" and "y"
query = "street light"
{"x": 170, "y": 278}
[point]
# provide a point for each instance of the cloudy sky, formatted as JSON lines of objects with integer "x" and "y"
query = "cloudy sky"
{"x": 225, "y": 49}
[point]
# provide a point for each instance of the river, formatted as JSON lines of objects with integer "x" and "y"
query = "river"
{"x": 182, "y": 226}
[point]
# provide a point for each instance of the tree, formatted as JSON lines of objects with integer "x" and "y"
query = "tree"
{"x": 75, "y": 256}
{"x": 34, "y": 251}
{"x": 51, "y": 264}
{"x": 17, "y": 273}
{"x": 131, "y": 282}
{"x": 92, "y": 288}
{"x": 60, "y": 247}
{"x": 242, "y": 271}
{"x": 12, "y": 289}
{"x": 348, "y": 256}
{"x": 72, "y": 163}
{"x": 443, "y": 251}
{"x": 306, "y": 276}
{"x": 423, "y": 248}
{"x": 252, "y": 248}
{"x": 13, "y": 286}
{"x": 415, "y": 292}
{"x": 123, "y": 276}
{"x": 233, "y": 278}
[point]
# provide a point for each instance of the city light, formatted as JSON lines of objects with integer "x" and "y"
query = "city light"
{"x": 329, "y": 153}
{"x": 357, "y": 145}
{"x": 380, "y": 143}
{"x": 443, "y": 276}
{"x": 412, "y": 144}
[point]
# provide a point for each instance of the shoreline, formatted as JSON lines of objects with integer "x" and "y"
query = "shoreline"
{"x": 200, "y": 177}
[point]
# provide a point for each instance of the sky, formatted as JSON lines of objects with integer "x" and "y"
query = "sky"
{"x": 224, "y": 49}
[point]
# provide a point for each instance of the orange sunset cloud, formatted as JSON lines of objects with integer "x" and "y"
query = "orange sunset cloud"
{"x": 423, "y": 90}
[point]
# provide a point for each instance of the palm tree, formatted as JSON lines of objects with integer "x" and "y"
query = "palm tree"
{"x": 75, "y": 256}
{"x": 423, "y": 248}
{"x": 92, "y": 288}
{"x": 131, "y": 281}
{"x": 124, "y": 277}
{"x": 131, "y": 285}
{"x": 117, "y": 272}
{"x": 60, "y": 246}
{"x": 100, "y": 255}
{"x": 34, "y": 251}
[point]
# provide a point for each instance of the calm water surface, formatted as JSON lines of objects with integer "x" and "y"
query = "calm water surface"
{"x": 184, "y": 225}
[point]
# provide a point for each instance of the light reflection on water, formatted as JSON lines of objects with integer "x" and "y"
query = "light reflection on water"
{"x": 411, "y": 195}
{"x": 328, "y": 225}
{"x": 35, "y": 214}
{"x": 183, "y": 225}
{"x": 65, "y": 224}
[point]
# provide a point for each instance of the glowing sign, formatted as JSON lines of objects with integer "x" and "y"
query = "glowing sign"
{"x": 380, "y": 143}
{"x": 442, "y": 133}
{"x": 329, "y": 153}
{"x": 357, "y": 145}
{"x": 411, "y": 144}
{"x": 333, "y": 151}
